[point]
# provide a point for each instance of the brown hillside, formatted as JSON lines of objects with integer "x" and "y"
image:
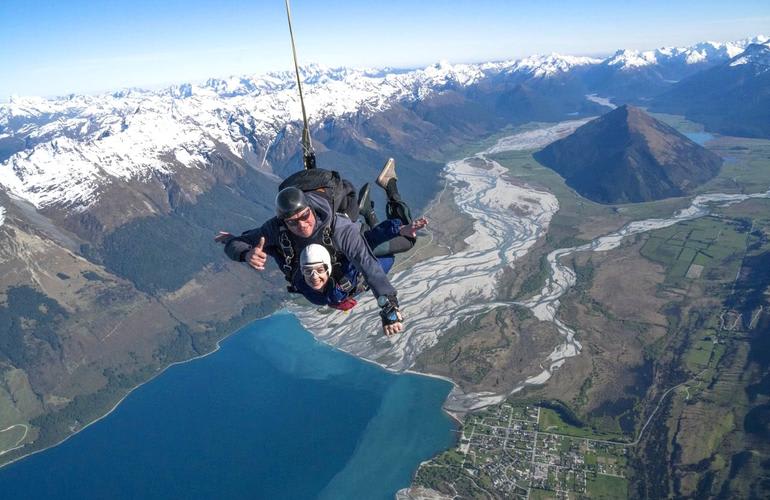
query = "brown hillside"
{"x": 628, "y": 156}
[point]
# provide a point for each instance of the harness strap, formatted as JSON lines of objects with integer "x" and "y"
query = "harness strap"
{"x": 287, "y": 250}
{"x": 326, "y": 240}
{"x": 344, "y": 284}
{"x": 291, "y": 259}
{"x": 349, "y": 287}
{"x": 361, "y": 284}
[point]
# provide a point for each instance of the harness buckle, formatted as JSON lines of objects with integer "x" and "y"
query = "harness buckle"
{"x": 344, "y": 284}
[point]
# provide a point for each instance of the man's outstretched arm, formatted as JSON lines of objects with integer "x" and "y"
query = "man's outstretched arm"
{"x": 249, "y": 247}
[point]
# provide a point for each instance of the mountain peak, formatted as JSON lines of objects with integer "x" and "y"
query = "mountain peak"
{"x": 633, "y": 116}
{"x": 628, "y": 156}
{"x": 541, "y": 66}
{"x": 629, "y": 59}
{"x": 699, "y": 53}
{"x": 755, "y": 54}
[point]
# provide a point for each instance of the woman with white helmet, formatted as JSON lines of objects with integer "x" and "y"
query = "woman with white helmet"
{"x": 336, "y": 286}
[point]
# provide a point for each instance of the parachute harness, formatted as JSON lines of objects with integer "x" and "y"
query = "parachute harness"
{"x": 291, "y": 263}
{"x": 287, "y": 250}
{"x": 291, "y": 260}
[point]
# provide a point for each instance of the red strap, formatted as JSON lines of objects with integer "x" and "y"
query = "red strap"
{"x": 346, "y": 305}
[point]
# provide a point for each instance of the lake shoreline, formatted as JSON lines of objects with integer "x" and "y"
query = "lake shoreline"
{"x": 274, "y": 376}
{"x": 217, "y": 348}
{"x": 123, "y": 398}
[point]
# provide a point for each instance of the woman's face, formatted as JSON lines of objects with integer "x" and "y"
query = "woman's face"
{"x": 315, "y": 276}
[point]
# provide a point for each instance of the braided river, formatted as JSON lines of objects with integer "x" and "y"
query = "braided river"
{"x": 509, "y": 218}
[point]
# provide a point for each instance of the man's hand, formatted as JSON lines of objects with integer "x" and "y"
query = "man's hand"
{"x": 256, "y": 257}
{"x": 392, "y": 319}
{"x": 394, "y": 328}
{"x": 223, "y": 237}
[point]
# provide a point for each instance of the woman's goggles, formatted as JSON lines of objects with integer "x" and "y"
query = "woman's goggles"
{"x": 310, "y": 271}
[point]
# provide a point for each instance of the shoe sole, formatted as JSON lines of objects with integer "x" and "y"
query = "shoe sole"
{"x": 388, "y": 171}
{"x": 363, "y": 196}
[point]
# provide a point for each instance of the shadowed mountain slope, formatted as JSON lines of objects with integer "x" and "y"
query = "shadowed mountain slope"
{"x": 732, "y": 98}
{"x": 628, "y": 156}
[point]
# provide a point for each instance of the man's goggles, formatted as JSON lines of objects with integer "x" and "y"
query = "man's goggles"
{"x": 302, "y": 218}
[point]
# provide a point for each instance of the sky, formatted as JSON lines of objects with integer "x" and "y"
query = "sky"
{"x": 50, "y": 48}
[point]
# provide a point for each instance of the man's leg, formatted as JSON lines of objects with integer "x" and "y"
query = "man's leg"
{"x": 396, "y": 208}
{"x": 390, "y": 237}
{"x": 348, "y": 205}
{"x": 366, "y": 207}
{"x": 398, "y": 244}
{"x": 382, "y": 233}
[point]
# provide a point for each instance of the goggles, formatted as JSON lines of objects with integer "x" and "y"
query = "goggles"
{"x": 316, "y": 270}
{"x": 302, "y": 218}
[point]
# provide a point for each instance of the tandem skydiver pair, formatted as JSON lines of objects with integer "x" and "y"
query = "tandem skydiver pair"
{"x": 324, "y": 253}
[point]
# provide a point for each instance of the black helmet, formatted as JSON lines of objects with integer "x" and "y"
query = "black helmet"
{"x": 290, "y": 201}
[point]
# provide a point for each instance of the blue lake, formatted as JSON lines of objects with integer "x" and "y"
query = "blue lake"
{"x": 273, "y": 414}
{"x": 700, "y": 138}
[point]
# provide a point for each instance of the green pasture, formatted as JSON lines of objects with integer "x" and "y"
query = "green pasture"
{"x": 715, "y": 243}
{"x": 537, "y": 494}
{"x": 607, "y": 487}
{"x": 746, "y": 167}
{"x": 698, "y": 355}
{"x": 551, "y": 422}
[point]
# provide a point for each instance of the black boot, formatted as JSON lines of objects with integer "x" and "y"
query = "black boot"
{"x": 399, "y": 210}
{"x": 366, "y": 207}
{"x": 396, "y": 208}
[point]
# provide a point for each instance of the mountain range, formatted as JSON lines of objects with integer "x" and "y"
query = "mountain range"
{"x": 732, "y": 98}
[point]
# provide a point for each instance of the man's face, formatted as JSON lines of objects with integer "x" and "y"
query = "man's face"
{"x": 315, "y": 276}
{"x": 301, "y": 223}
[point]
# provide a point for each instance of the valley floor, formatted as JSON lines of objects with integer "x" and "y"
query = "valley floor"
{"x": 668, "y": 320}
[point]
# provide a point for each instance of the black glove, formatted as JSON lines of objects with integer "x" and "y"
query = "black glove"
{"x": 389, "y": 311}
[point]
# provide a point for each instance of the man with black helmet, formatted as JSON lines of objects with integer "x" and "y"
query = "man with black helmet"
{"x": 305, "y": 218}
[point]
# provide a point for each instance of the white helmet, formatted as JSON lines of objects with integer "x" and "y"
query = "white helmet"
{"x": 315, "y": 254}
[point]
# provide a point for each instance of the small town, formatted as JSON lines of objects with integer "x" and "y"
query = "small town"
{"x": 511, "y": 451}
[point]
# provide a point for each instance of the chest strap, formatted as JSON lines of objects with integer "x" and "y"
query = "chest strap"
{"x": 291, "y": 258}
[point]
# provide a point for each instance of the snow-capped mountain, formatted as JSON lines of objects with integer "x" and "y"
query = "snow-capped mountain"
{"x": 73, "y": 145}
{"x": 756, "y": 55}
{"x": 539, "y": 66}
{"x": 637, "y": 76}
{"x": 65, "y": 152}
{"x": 732, "y": 98}
{"x": 705, "y": 52}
